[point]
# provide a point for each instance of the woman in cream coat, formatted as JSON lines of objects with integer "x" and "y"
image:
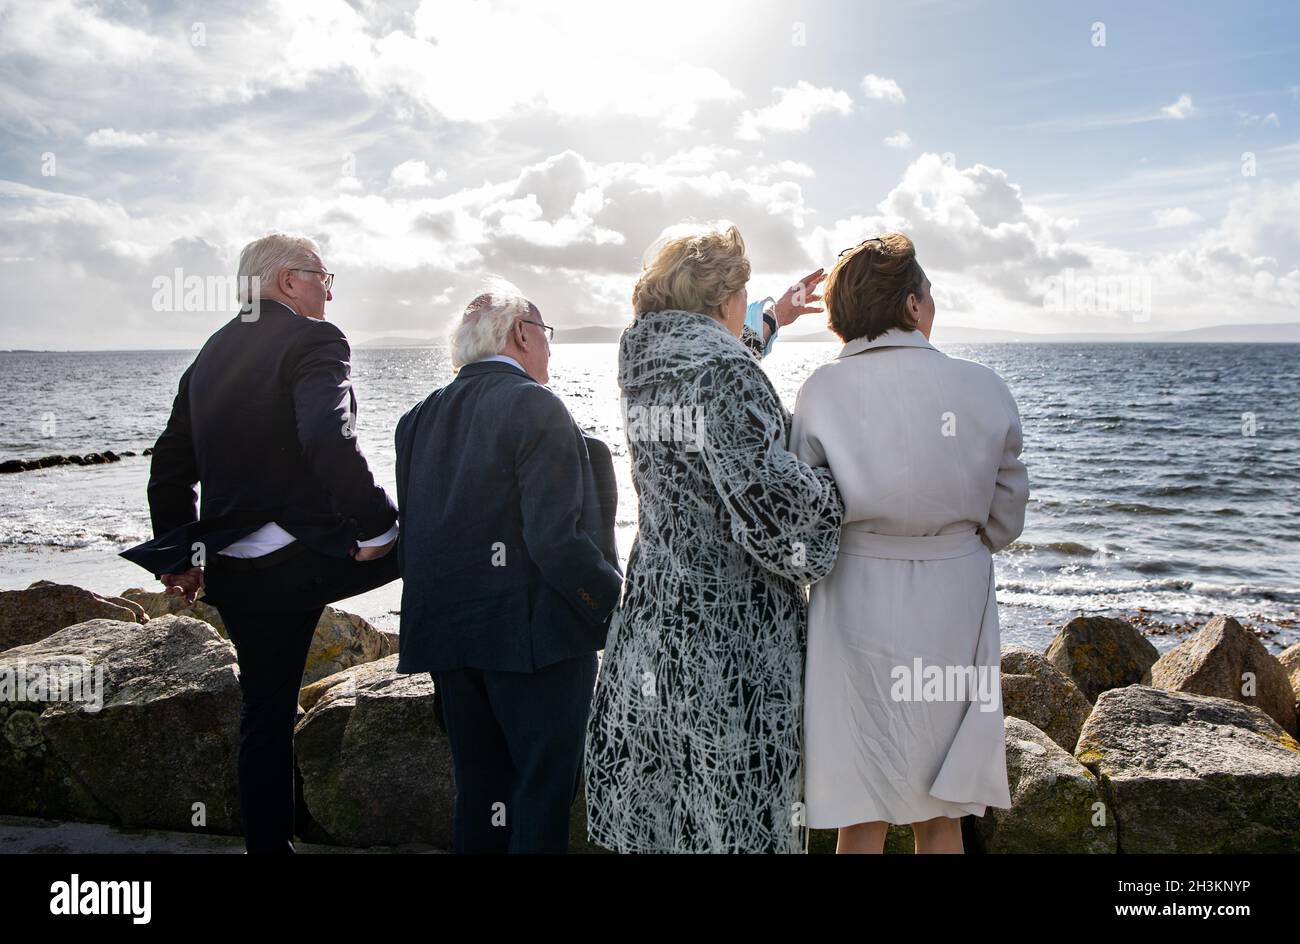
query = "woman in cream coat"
{"x": 903, "y": 715}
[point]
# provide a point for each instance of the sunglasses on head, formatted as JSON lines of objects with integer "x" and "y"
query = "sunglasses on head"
{"x": 873, "y": 239}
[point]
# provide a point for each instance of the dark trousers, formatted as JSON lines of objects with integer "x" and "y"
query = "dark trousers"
{"x": 272, "y": 650}
{"x": 517, "y": 740}
{"x": 271, "y": 606}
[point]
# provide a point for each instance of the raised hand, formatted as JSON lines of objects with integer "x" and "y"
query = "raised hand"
{"x": 799, "y": 299}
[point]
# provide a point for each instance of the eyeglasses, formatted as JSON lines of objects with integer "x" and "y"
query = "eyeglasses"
{"x": 871, "y": 259}
{"x": 329, "y": 276}
{"x": 550, "y": 332}
{"x": 873, "y": 239}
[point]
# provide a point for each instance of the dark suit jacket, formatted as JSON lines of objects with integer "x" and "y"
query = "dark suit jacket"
{"x": 265, "y": 419}
{"x": 507, "y": 540}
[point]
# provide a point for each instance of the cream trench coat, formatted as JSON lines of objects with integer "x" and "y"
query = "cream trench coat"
{"x": 903, "y": 714}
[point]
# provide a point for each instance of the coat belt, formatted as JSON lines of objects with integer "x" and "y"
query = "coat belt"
{"x": 862, "y": 543}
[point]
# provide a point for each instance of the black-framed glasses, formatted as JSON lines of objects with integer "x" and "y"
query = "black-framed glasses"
{"x": 329, "y": 276}
{"x": 871, "y": 259}
{"x": 873, "y": 239}
{"x": 550, "y": 332}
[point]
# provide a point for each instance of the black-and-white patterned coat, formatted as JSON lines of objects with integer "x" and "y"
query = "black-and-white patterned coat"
{"x": 694, "y": 738}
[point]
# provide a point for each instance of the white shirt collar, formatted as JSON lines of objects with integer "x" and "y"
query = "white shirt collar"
{"x": 503, "y": 358}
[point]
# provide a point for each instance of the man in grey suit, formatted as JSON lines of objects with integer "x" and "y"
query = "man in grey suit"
{"x": 510, "y": 576}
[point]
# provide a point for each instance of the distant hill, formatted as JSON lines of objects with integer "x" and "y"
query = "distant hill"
{"x": 589, "y": 334}
{"x": 1288, "y": 333}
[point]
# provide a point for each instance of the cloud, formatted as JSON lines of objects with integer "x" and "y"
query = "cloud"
{"x": 409, "y": 175}
{"x": 430, "y": 61}
{"x": 779, "y": 169}
{"x": 964, "y": 220}
{"x": 1183, "y": 108}
{"x": 882, "y": 89}
{"x": 794, "y": 110}
{"x": 571, "y": 230}
{"x": 1176, "y": 216}
{"x": 110, "y": 138}
{"x": 1251, "y": 120}
{"x": 899, "y": 139}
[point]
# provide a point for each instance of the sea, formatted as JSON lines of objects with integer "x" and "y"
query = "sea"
{"x": 1165, "y": 478}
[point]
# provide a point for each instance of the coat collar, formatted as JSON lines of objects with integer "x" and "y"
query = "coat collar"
{"x": 894, "y": 337}
{"x": 492, "y": 367}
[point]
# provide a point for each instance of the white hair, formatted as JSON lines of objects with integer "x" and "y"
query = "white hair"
{"x": 485, "y": 323}
{"x": 265, "y": 258}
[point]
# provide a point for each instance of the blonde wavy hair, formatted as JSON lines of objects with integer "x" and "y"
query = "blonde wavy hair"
{"x": 692, "y": 272}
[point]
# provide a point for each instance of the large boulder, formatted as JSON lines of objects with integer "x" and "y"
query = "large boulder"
{"x": 1056, "y": 802}
{"x": 1226, "y": 661}
{"x": 376, "y": 768}
{"x": 1191, "y": 773}
{"x": 44, "y": 608}
{"x": 121, "y": 722}
{"x": 156, "y": 604}
{"x": 342, "y": 639}
{"x": 1043, "y": 695}
{"x": 1290, "y": 662}
{"x": 1100, "y": 653}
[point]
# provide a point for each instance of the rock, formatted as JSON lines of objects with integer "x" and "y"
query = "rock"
{"x": 1290, "y": 661}
{"x": 1219, "y": 661}
{"x": 1191, "y": 773}
{"x": 1038, "y": 692}
{"x": 342, "y": 639}
{"x": 376, "y": 768}
{"x": 1100, "y": 653}
{"x": 1056, "y": 802}
{"x": 156, "y": 604}
{"x": 44, "y": 608}
{"x": 153, "y": 730}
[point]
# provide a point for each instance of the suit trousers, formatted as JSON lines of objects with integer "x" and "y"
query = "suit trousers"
{"x": 517, "y": 742}
{"x": 271, "y": 606}
{"x": 272, "y": 650}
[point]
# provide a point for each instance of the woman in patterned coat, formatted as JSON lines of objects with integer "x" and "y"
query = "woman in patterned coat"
{"x": 694, "y": 739}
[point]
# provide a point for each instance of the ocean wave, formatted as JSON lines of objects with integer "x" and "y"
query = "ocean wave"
{"x": 1138, "y": 508}
{"x": 1066, "y": 548}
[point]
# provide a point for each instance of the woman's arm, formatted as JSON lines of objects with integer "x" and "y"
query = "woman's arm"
{"x": 765, "y": 317}
{"x": 785, "y": 514}
{"x": 1011, "y": 494}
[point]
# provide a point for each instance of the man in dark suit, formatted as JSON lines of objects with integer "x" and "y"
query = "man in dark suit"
{"x": 510, "y": 575}
{"x": 291, "y": 518}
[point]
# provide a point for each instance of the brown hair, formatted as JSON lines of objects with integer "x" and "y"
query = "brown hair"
{"x": 693, "y": 273}
{"x": 866, "y": 292}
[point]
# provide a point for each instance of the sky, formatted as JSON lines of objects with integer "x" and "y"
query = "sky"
{"x": 1061, "y": 167}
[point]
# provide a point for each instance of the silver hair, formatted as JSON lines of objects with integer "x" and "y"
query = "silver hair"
{"x": 485, "y": 323}
{"x": 265, "y": 258}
